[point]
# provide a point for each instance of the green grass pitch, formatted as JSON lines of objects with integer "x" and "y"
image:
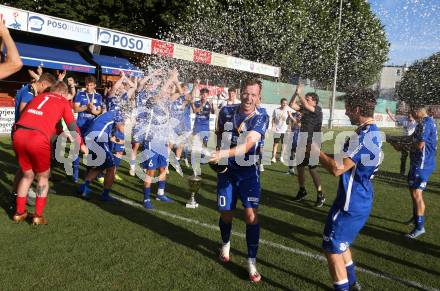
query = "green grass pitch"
{"x": 92, "y": 245}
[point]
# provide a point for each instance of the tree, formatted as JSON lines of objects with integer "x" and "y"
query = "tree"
{"x": 300, "y": 36}
{"x": 421, "y": 82}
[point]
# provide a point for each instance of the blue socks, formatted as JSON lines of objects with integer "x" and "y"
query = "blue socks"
{"x": 106, "y": 192}
{"x": 351, "y": 273}
{"x": 161, "y": 185}
{"x": 341, "y": 285}
{"x": 252, "y": 239}
{"x": 147, "y": 192}
{"x": 117, "y": 161}
{"x": 225, "y": 230}
{"x": 420, "y": 222}
{"x": 75, "y": 168}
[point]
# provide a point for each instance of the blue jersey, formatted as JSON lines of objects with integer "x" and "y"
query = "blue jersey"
{"x": 25, "y": 94}
{"x": 117, "y": 104}
{"x": 232, "y": 121}
{"x": 181, "y": 112}
{"x": 143, "y": 104}
{"x": 84, "y": 98}
{"x": 201, "y": 123}
{"x": 355, "y": 190}
{"x": 103, "y": 126}
{"x": 426, "y": 131}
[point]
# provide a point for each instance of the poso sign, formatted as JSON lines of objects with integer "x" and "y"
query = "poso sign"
{"x": 57, "y": 27}
{"x": 124, "y": 41}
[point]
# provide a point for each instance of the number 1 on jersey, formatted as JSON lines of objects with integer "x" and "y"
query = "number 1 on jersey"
{"x": 42, "y": 103}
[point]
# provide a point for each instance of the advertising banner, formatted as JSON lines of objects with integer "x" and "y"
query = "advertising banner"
{"x": 162, "y": 48}
{"x": 51, "y": 26}
{"x": 125, "y": 41}
{"x": 14, "y": 18}
{"x": 183, "y": 52}
{"x": 7, "y": 119}
{"x": 202, "y": 56}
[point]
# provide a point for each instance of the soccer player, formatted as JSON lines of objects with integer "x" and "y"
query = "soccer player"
{"x": 117, "y": 100}
{"x": 279, "y": 127}
{"x": 32, "y": 145}
{"x": 13, "y": 62}
{"x": 232, "y": 98}
{"x": 155, "y": 146}
{"x": 88, "y": 104}
{"x": 360, "y": 159}
{"x": 242, "y": 178}
{"x": 311, "y": 123}
{"x": 202, "y": 108}
{"x": 29, "y": 91}
{"x": 180, "y": 110}
{"x": 147, "y": 88}
{"x": 422, "y": 164}
{"x": 22, "y": 98}
{"x": 98, "y": 140}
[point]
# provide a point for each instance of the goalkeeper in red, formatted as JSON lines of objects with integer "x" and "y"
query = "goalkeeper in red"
{"x": 31, "y": 139}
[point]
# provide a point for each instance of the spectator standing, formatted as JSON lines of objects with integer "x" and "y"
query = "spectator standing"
{"x": 408, "y": 124}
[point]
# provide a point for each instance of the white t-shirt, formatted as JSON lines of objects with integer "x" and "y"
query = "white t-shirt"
{"x": 408, "y": 126}
{"x": 279, "y": 117}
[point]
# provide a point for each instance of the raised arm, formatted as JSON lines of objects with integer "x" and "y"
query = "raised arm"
{"x": 292, "y": 102}
{"x": 392, "y": 117}
{"x": 13, "y": 62}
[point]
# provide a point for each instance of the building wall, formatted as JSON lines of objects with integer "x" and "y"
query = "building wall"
{"x": 389, "y": 80}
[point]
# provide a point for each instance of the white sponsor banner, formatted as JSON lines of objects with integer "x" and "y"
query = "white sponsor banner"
{"x": 252, "y": 67}
{"x": 14, "y": 18}
{"x": 125, "y": 41}
{"x": 7, "y": 119}
{"x": 57, "y": 27}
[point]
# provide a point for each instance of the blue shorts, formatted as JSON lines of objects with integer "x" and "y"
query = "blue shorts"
{"x": 119, "y": 148}
{"x": 109, "y": 159}
{"x": 234, "y": 183}
{"x": 341, "y": 229}
{"x": 418, "y": 178}
{"x": 155, "y": 161}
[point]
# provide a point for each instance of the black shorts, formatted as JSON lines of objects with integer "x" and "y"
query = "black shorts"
{"x": 278, "y": 137}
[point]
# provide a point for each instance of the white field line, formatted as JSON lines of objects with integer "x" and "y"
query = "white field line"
{"x": 269, "y": 243}
{"x": 278, "y": 246}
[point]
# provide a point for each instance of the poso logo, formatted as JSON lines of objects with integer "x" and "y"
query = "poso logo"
{"x": 104, "y": 37}
{"x": 121, "y": 41}
{"x": 36, "y": 23}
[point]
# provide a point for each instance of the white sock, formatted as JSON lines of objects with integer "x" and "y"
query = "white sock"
{"x": 226, "y": 248}
{"x": 252, "y": 265}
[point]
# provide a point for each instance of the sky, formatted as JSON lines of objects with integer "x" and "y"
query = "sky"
{"x": 412, "y": 28}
